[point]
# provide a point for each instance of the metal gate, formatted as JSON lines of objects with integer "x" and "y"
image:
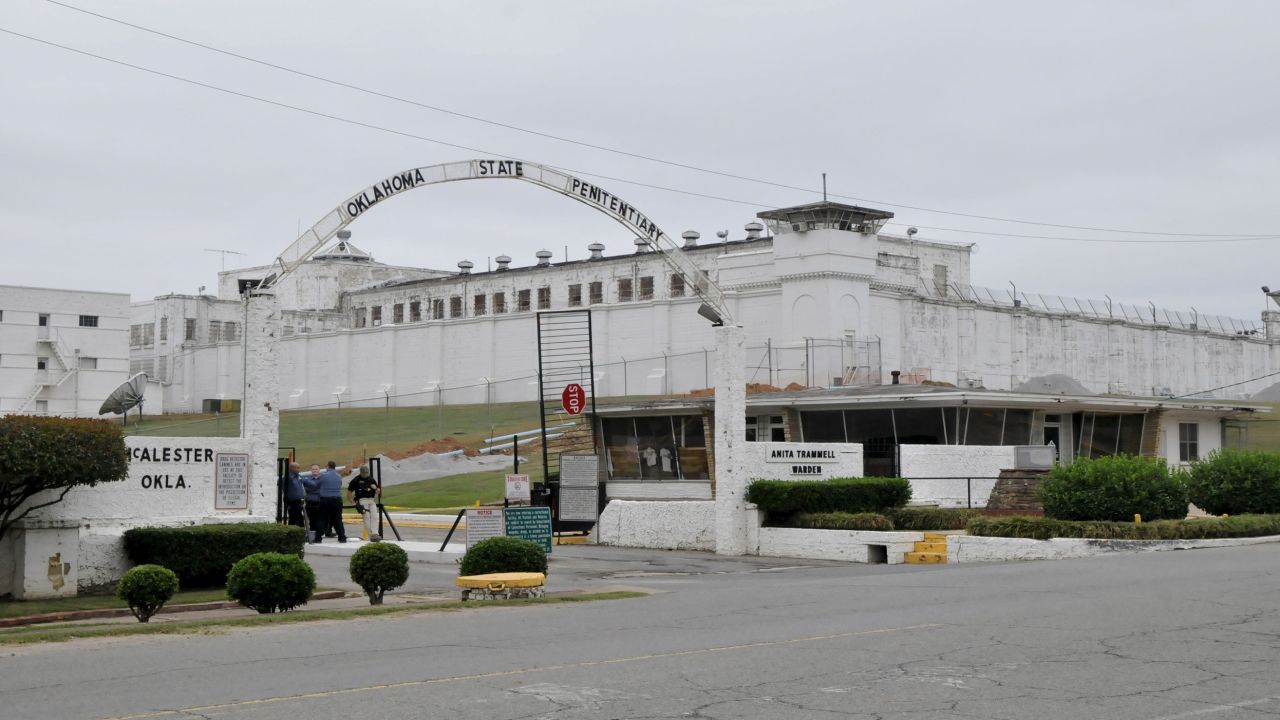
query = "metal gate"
{"x": 564, "y": 359}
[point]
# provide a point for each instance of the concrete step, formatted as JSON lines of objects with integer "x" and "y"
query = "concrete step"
{"x": 925, "y": 558}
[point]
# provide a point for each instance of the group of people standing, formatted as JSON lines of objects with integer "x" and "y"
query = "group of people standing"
{"x": 319, "y": 495}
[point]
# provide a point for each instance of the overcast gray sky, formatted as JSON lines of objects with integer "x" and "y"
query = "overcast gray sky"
{"x": 1149, "y": 116}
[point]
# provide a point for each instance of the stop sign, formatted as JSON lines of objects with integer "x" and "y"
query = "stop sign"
{"x": 573, "y": 399}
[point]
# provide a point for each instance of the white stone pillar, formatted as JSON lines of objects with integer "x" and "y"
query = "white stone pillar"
{"x": 260, "y": 408}
{"x": 730, "y": 435}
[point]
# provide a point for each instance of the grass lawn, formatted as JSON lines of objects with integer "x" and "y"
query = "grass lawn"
{"x": 454, "y": 491}
{"x": 23, "y": 608}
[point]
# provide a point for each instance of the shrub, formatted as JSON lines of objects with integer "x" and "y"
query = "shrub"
{"x": 53, "y": 455}
{"x": 202, "y": 555}
{"x": 269, "y": 581}
{"x": 1194, "y": 529}
{"x": 841, "y": 521}
{"x": 1114, "y": 488}
{"x": 379, "y": 567}
{"x": 503, "y": 554}
{"x": 930, "y": 518}
{"x": 1236, "y": 482}
{"x": 846, "y": 495}
{"x": 147, "y": 588}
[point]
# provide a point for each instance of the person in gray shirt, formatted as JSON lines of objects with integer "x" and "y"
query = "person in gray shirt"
{"x": 330, "y": 492}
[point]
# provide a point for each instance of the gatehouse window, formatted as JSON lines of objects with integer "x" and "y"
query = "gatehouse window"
{"x": 544, "y": 298}
{"x": 624, "y": 290}
{"x": 1188, "y": 442}
{"x": 658, "y": 448}
{"x": 597, "y": 293}
{"x": 455, "y": 306}
{"x": 575, "y": 295}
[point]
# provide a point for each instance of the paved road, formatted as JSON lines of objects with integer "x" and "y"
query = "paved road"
{"x": 1183, "y": 635}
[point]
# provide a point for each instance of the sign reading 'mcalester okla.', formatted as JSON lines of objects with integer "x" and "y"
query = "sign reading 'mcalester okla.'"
{"x": 184, "y": 477}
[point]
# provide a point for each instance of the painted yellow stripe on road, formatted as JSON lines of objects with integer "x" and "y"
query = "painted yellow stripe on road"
{"x": 523, "y": 671}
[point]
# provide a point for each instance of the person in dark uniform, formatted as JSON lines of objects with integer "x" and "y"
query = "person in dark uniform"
{"x": 315, "y": 518}
{"x": 364, "y": 493}
{"x": 294, "y": 494}
{"x": 330, "y": 491}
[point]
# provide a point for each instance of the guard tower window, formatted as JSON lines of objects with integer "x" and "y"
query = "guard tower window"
{"x": 624, "y": 290}
{"x": 375, "y": 315}
{"x": 397, "y": 313}
{"x": 215, "y": 331}
{"x": 230, "y": 332}
{"x": 164, "y": 329}
{"x": 88, "y": 321}
{"x": 575, "y": 295}
{"x": 415, "y": 311}
{"x": 646, "y": 288}
{"x": 437, "y": 309}
{"x": 544, "y": 298}
{"x": 499, "y": 303}
{"x": 597, "y": 293}
{"x": 455, "y": 306}
{"x": 677, "y": 286}
{"x": 362, "y": 317}
{"x": 189, "y": 329}
{"x": 522, "y": 301}
{"x": 478, "y": 307}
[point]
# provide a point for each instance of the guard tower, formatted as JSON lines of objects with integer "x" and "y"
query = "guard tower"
{"x": 825, "y": 256}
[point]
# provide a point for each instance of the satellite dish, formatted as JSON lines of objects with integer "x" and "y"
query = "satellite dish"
{"x": 128, "y": 395}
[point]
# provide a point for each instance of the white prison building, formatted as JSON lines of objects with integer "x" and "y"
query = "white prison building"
{"x": 825, "y": 297}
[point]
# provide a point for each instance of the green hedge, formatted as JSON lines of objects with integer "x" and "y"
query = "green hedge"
{"x": 1236, "y": 482}
{"x": 844, "y": 495}
{"x": 271, "y": 582}
{"x": 930, "y": 518}
{"x": 202, "y": 555}
{"x": 1114, "y": 488}
{"x": 841, "y": 521}
{"x": 1197, "y": 529}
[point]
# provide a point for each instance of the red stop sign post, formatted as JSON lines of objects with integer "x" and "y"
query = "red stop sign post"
{"x": 573, "y": 399}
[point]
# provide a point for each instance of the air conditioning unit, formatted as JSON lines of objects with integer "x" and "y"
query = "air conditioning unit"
{"x": 1033, "y": 457}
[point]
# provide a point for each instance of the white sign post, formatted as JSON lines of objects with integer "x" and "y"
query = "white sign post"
{"x": 518, "y": 489}
{"x": 484, "y": 523}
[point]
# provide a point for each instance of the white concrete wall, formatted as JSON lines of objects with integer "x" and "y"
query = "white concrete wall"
{"x": 802, "y": 461}
{"x": 82, "y": 392}
{"x": 966, "y": 549}
{"x": 845, "y": 545}
{"x": 981, "y": 462}
{"x": 676, "y": 525}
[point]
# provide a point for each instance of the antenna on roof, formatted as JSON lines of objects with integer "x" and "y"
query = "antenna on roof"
{"x": 824, "y": 187}
{"x": 225, "y": 253}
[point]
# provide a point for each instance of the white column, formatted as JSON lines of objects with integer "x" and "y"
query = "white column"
{"x": 730, "y": 435}
{"x": 260, "y": 409}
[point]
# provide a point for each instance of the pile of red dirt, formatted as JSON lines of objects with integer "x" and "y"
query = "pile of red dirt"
{"x": 448, "y": 444}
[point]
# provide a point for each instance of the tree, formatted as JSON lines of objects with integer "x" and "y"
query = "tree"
{"x": 42, "y": 458}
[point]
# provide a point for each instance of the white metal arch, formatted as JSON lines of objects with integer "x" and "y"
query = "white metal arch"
{"x": 584, "y": 192}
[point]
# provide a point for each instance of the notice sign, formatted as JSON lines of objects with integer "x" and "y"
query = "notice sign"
{"x": 231, "y": 481}
{"x": 518, "y": 488}
{"x": 579, "y": 470}
{"x": 530, "y": 523}
{"x": 482, "y": 524}
{"x": 579, "y": 503}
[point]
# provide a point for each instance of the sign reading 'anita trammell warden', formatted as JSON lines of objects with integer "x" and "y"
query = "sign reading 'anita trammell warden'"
{"x": 799, "y": 461}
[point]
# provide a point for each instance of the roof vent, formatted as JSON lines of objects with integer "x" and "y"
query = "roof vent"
{"x": 690, "y": 238}
{"x": 753, "y": 230}
{"x": 544, "y": 258}
{"x": 642, "y": 245}
{"x": 464, "y": 267}
{"x": 597, "y": 251}
{"x": 504, "y": 262}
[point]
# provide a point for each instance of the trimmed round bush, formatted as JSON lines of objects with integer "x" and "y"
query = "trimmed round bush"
{"x": 147, "y": 588}
{"x": 503, "y": 554}
{"x": 379, "y": 567}
{"x": 1114, "y": 488}
{"x": 1236, "y": 482}
{"x": 270, "y": 582}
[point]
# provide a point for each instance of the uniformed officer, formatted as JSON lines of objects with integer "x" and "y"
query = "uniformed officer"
{"x": 364, "y": 493}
